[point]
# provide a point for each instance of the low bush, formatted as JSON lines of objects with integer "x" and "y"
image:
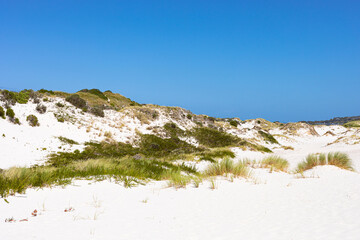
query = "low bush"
{"x": 213, "y": 138}
{"x": 2, "y": 112}
{"x": 217, "y": 153}
{"x": 60, "y": 105}
{"x": 234, "y": 123}
{"x": 33, "y": 120}
{"x": 275, "y": 162}
{"x": 41, "y": 108}
{"x": 10, "y": 113}
{"x": 44, "y": 91}
{"x": 96, "y": 92}
{"x": 8, "y": 97}
{"x": 77, "y": 101}
{"x": 97, "y": 111}
{"x": 268, "y": 137}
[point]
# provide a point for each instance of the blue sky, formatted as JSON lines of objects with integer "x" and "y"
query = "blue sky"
{"x": 279, "y": 60}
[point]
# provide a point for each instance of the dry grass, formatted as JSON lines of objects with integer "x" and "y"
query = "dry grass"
{"x": 275, "y": 162}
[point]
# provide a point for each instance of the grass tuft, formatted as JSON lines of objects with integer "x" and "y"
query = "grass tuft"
{"x": 275, "y": 162}
{"x": 227, "y": 166}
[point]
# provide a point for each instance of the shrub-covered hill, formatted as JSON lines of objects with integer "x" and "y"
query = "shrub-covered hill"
{"x": 35, "y": 124}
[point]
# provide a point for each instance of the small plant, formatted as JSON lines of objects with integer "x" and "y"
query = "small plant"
{"x": 97, "y": 111}
{"x": 45, "y": 99}
{"x": 234, "y": 123}
{"x": 59, "y": 104}
{"x": 340, "y": 160}
{"x": 213, "y": 184}
{"x": 227, "y": 166}
{"x": 2, "y": 112}
{"x": 46, "y": 91}
{"x": 10, "y": 113}
{"x": 108, "y": 134}
{"x": 77, "y": 101}
{"x": 275, "y": 162}
{"x": 178, "y": 180}
{"x": 41, "y": 108}
{"x": 33, "y": 120}
{"x": 311, "y": 160}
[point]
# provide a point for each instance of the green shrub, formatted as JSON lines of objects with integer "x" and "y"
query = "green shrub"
{"x": 23, "y": 96}
{"x": 96, "y": 92}
{"x": 97, "y": 111}
{"x": 173, "y": 130}
{"x": 44, "y": 91}
{"x": 234, "y": 123}
{"x": 77, "y": 101}
{"x": 2, "y": 112}
{"x": 10, "y": 113}
{"x": 41, "y": 108}
{"x": 189, "y": 116}
{"x": 275, "y": 162}
{"x": 268, "y": 137}
{"x": 213, "y": 154}
{"x": 33, "y": 120}
{"x": 213, "y": 138}
{"x": 154, "y": 146}
{"x": 58, "y": 104}
{"x": 8, "y": 97}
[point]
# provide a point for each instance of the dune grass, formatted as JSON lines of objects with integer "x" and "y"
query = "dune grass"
{"x": 126, "y": 170}
{"x": 338, "y": 159}
{"x": 275, "y": 162}
{"x": 227, "y": 166}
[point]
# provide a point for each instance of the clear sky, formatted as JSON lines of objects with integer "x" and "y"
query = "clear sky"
{"x": 280, "y": 60}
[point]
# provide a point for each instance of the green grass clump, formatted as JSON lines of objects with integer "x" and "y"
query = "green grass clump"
{"x": 339, "y": 159}
{"x": 311, "y": 160}
{"x": 227, "y": 166}
{"x": 275, "y": 162}
{"x": 268, "y": 137}
{"x": 2, "y": 112}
